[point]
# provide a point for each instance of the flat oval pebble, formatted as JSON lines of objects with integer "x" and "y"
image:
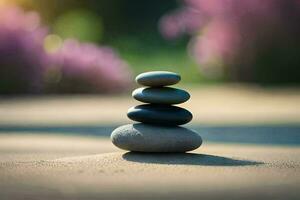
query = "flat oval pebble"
{"x": 158, "y": 78}
{"x": 148, "y": 138}
{"x": 159, "y": 114}
{"x": 163, "y": 95}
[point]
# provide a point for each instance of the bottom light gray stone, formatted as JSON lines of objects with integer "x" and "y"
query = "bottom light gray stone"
{"x": 152, "y": 138}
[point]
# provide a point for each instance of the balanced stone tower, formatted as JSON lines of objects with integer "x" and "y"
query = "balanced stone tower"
{"x": 159, "y": 130}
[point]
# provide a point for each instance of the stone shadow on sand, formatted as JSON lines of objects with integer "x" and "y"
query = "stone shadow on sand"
{"x": 185, "y": 159}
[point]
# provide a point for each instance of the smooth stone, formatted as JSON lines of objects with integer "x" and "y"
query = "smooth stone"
{"x": 150, "y": 138}
{"x": 159, "y": 114}
{"x": 158, "y": 78}
{"x": 163, "y": 95}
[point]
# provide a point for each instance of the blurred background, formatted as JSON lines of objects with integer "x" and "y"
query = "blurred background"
{"x": 239, "y": 59}
{"x": 78, "y": 46}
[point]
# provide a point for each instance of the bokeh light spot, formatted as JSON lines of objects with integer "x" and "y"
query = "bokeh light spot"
{"x": 52, "y": 43}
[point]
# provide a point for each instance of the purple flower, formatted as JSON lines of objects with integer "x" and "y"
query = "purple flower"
{"x": 83, "y": 67}
{"x": 236, "y": 36}
{"x": 25, "y": 66}
{"x": 22, "y": 58}
{"x": 179, "y": 22}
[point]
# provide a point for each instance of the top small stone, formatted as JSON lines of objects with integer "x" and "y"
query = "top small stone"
{"x": 158, "y": 78}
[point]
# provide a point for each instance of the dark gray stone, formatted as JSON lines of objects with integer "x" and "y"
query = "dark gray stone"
{"x": 158, "y": 78}
{"x": 161, "y": 95}
{"x": 159, "y": 114}
{"x": 149, "y": 138}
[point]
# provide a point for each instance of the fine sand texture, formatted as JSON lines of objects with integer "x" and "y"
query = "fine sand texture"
{"x": 54, "y": 166}
{"x": 57, "y": 147}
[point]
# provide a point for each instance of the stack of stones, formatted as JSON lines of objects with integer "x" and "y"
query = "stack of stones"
{"x": 159, "y": 130}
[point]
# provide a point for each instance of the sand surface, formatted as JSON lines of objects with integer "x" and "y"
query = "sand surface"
{"x": 35, "y": 166}
{"x": 57, "y": 147}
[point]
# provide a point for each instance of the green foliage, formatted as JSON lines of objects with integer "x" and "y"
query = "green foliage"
{"x": 148, "y": 54}
{"x": 79, "y": 24}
